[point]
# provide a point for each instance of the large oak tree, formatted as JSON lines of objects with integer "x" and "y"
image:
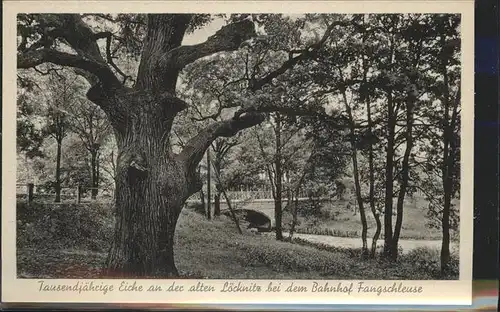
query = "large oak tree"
{"x": 152, "y": 182}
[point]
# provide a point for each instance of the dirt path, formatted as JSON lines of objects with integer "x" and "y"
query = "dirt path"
{"x": 348, "y": 242}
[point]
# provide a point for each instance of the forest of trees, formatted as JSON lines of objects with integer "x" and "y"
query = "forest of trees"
{"x": 295, "y": 104}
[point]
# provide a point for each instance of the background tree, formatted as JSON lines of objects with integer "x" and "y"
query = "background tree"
{"x": 90, "y": 124}
{"x": 29, "y": 134}
{"x": 221, "y": 148}
{"x": 437, "y": 167}
{"x": 61, "y": 94}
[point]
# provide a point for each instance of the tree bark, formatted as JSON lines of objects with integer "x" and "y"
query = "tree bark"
{"x": 359, "y": 197}
{"x": 151, "y": 189}
{"x": 153, "y": 183}
{"x": 58, "y": 170}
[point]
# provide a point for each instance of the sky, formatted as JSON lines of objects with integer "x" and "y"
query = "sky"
{"x": 202, "y": 34}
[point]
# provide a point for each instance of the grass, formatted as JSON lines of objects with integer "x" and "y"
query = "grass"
{"x": 210, "y": 249}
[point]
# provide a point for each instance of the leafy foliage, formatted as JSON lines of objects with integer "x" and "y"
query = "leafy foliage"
{"x": 29, "y": 136}
{"x": 64, "y": 226}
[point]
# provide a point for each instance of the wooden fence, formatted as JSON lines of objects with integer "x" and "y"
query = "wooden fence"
{"x": 76, "y": 194}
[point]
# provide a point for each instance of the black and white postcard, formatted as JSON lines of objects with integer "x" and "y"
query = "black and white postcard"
{"x": 237, "y": 152}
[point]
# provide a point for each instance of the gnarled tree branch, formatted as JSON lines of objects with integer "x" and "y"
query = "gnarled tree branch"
{"x": 194, "y": 149}
{"x": 228, "y": 38}
{"x": 78, "y": 35}
{"x": 35, "y": 58}
{"x": 109, "y": 57}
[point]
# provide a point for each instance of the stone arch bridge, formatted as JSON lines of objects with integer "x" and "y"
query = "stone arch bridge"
{"x": 258, "y": 213}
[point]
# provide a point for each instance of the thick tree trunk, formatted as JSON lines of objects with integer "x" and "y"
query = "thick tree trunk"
{"x": 58, "y": 170}
{"x": 152, "y": 187}
{"x": 147, "y": 214}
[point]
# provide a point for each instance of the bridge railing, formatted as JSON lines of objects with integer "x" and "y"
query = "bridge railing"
{"x": 237, "y": 196}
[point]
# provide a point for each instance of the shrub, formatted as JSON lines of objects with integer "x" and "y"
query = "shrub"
{"x": 197, "y": 207}
{"x": 290, "y": 258}
{"x": 67, "y": 226}
{"x": 428, "y": 259}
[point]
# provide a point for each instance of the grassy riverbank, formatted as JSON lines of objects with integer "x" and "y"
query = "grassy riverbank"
{"x": 70, "y": 241}
{"x": 334, "y": 219}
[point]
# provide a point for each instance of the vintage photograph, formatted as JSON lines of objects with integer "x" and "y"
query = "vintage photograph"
{"x": 238, "y": 146}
